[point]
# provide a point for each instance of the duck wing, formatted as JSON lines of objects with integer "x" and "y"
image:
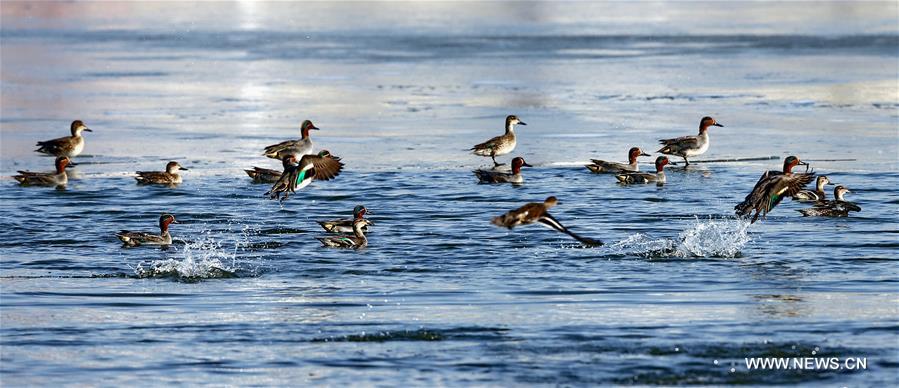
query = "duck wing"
{"x": 489, "y": 145}
{"x": 551, "y": 222}
{"x": 755, "y": 195}
{"x": 487, "y": 176}
{"x": 273, "y": 150}
{"x": 56, "y": 146}
{"x": 154, "y": 177}
{"x": 785, "y": 185}
{"x": 323, "y": 168}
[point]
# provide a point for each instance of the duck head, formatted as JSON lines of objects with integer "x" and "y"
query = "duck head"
{"x": 517, "y": 163}
{"x": 550, "y": 202}
{"x": 661, "y": 161}
{"x": 790, "y": 162}
{"x": 164, "y": 220}
{"x": 839, "y": 191}
{"x": 512, "y": 120}
{"x": 821, "y": 181}
{"x": 359, "y": 211}
{"x": 288, "y": 161}
{"x": 634, "y": 153}
{"x": 77, "y": 127}
{"x": 707, "y": 122}
{"x": 306, "y": 127}
{"x": 173, "y": 167}
{"x": 61, "y": 163}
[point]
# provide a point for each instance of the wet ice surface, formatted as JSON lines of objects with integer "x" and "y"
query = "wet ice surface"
{"x": 441, "y": 296}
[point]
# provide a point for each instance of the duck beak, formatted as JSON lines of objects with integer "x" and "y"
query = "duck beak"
{"x": 182, "y": 168}
{"x": 522, "y": 122}
{"x": 526, "y": 165}
{"x": 71, "y": 164}
{"x": 718, "y": 125}
{"x": 644, "y": 154}
{"x": 88, "y": 129}
{"x": 672, "y": 163}
{"x": 174, "y": 222}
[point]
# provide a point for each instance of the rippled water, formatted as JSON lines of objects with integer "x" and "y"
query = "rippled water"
{"x": 680, "y": 294}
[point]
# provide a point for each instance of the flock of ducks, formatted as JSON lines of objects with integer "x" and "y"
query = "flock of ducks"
{"x": 301, "y": 165}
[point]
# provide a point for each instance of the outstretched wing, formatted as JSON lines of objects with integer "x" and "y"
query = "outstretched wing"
{"x": 785, "y": 186}
{"x": 551, "y": 222}
{"x": 323, "y": 168}
{"x": 756, "y": 194}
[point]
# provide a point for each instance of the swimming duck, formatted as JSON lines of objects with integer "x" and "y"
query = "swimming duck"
{"x": 645, "y": 177}
{"x": 346, "y": 226}
{"x": 499, "y": 145}
{"x": 58, "y": 178}
{"x": 168, "y": 177}
{"x": 772, "y": 187}
{"x": 492, "y": 176}
{"x": 836, "y": 208}
{"x": 133, "y": 239}
{"x": 357, "y": 240}
{"x": 293, "y": 147}
{"x": 539, "y": 212}
{"x": 70, "y": 146}
{"x": 296, "y": 176}
{"x": 817, "y": 195}
{"x": 604, "y": 167}
{"x": 689, "y": 146}
{"x": 267, "y": 175}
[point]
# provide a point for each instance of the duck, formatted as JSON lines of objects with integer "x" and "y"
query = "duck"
{"x": 133, "y": 239}
{"x": 346, "y": 226}
{"x": 689, "y": 146}
{"x": 297, "y": 175}
{"x": 70, "y": 146}
{"x": 356, "y": 240}
{"x": 300, "y": 147}
{"x": 539, "y": 212}
{"x": 499, "y": 145}
{"x": 839, "y": 207}
{"x": 604, "y": 167}
{"x": 168, "y": 177}
{"x": 58, "y": 178}
{"x": 772, "y": 187}
{"x": 493, "y": 176}
{"x": 645, "y": 177}
{"x": 267, "y": 175}
{"x": 818, "y": 195}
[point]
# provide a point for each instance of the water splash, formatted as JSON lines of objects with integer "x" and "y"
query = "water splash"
{"x": 709, "y": 237}
{"x": 723, "y": 237}
{"x": 205, "y": 258}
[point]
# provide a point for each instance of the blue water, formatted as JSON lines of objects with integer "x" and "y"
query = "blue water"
{"x": 681, "y": 293}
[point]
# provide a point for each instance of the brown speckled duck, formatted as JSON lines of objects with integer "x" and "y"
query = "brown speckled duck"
{"x": 539, "y": 212}
{"x": 772, "y": 187}
{"x": 168, "y": 177}
{"x": 267, "y": 175}
{"x": 493, "y": 176}
{"x": 499, "y": 145}
{"x": 70, "y": 146}
{"x": 839, "y": 207}
{"x": 58, "y": 178}
{"x": 818, "y": 195}
{"x": 133, "y": 239}
{"x": 645, "y": 177}
{"x": 604, "y": 167}
{"x": 689, "y": 146}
